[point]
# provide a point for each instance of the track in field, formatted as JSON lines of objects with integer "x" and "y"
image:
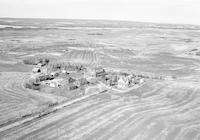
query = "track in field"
{"x": 159, "y": 111}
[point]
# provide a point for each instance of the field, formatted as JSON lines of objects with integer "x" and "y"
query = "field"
{"x": 160, "y": 109}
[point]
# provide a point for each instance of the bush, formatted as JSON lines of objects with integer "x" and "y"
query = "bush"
{"x": 28, "y": 85}
{"x": 34, "y": 60}
{"x": 30, "y": 61}
{"x": 61, "y": 64}
{"x": 32, "y": 85}
{"x": 56, "y": 65}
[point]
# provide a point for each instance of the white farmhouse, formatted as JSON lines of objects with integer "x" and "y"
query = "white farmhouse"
{"x": 122, "y": 82}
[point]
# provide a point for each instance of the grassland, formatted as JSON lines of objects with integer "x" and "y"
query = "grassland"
{"x": 167, "y": 109}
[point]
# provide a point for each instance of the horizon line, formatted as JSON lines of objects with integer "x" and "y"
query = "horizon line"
{"x": 189, "y": 24}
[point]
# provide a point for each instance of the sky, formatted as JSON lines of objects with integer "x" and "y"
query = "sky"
{"x": 161, "y": 11}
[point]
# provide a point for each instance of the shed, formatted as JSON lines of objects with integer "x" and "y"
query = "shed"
{"x": 36, "y": 70}
{"x": 43, "y": 77}
{"x": 100, "y": 72}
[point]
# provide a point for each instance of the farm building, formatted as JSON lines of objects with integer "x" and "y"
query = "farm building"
{"x": 70, "y": 80}
{"x": 114, "y": 78}
{"x": 81, "y": 68}
{"x": 55, "y": 83}
{"x": 64, "y": 74}
{"x": 36, "y": 70}
{"x": 136, "y": 80}
{"x": 54, "y": 74}
{"x": 91, "y": 80}
{"x": 81, "y": 82}
{"x": 107, "y": 78}
{"x": 34, "y": 76}
{"x": 100, "y": 72}
{"x": 141, "y": 80}
{"x": 39, "y": 65}
{"x": 36, "y": 86}
{"x": 123, "y": 82}
{"x": 110, "y": 80}
{"x": 63, "y": 71}
{"x": 71, "y": 87}
{"x": 43, "y": 77}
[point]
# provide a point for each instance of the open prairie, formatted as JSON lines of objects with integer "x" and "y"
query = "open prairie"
{"x": 165, "y": 109}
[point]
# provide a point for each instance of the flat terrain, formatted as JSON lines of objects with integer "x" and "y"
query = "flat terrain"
{"x": 167, "y": 109}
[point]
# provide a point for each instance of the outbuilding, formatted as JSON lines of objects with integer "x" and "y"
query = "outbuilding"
{"x": 36, "y": 70}
{"x": 100, "y": 72}
{"x": 54, "y": 74}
